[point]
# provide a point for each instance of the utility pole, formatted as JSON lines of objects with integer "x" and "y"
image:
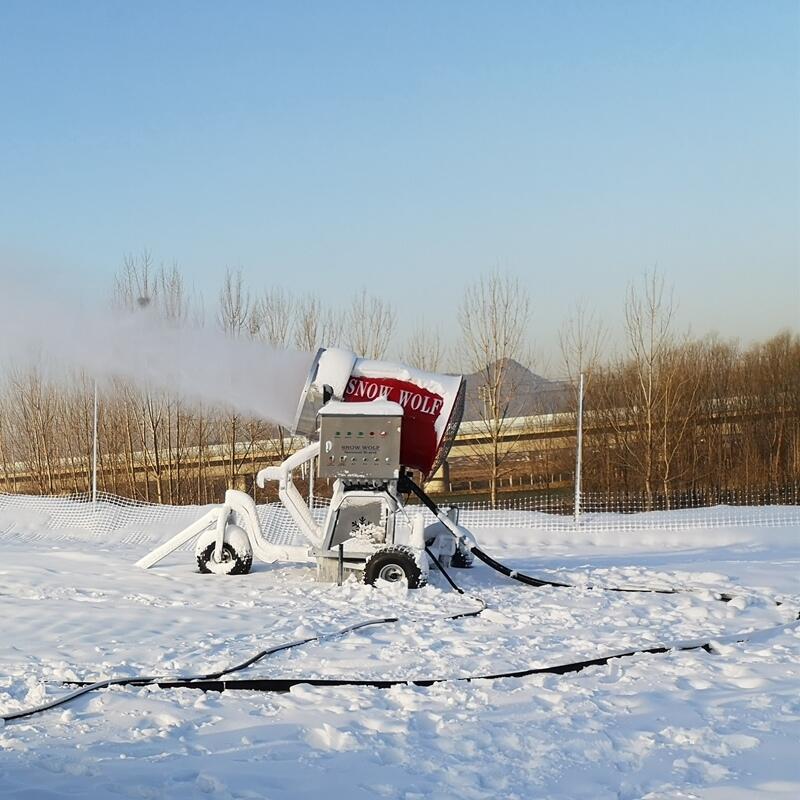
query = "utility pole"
{"x": 579, "y": 452}
{"x": 94, "y": 452}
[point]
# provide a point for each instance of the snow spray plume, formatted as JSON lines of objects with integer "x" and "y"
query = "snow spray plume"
{"x": 200, "y": 364}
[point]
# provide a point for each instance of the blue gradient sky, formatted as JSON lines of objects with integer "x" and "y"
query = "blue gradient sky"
{"x": 326, "y": 146}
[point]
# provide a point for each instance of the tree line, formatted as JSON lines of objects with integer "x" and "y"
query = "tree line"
{"x": 664, "y": 412}
{"x": 154, "y": 445}
{"x": 670, "y": 413}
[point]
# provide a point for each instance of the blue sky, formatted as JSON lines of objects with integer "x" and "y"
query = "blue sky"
{"x": 409, "y": 147}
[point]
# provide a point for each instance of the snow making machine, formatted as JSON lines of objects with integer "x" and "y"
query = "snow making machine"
{"x": 370, "y": 425}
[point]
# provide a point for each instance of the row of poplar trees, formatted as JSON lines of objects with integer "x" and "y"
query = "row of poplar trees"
{"x": 664, "y": 414}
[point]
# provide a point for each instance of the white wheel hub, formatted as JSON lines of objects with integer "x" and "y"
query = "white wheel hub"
{"x": 392, "y": 573}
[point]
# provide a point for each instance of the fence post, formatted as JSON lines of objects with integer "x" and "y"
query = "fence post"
{"x": 94, "y": 452}
{"x": 579, "y": 452}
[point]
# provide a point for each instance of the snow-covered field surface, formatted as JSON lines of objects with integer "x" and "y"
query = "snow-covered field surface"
{"x": 695, "y": 724}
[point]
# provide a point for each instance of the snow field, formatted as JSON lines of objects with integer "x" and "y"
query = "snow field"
{"x": 685, "y": 724}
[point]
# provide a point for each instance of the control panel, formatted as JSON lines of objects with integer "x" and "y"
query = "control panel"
{"x": 360, "y": 445}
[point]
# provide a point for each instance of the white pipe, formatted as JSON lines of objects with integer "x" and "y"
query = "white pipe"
{"x": 196, "y": 528}
{"x": 292, "y": 499}
{"x": 245, "y": 508}
{"x": 462, "y": 535}
{"x": 222, "y": 521}
{"x": 291, "y": 463}
{"x": 299, "y": 511}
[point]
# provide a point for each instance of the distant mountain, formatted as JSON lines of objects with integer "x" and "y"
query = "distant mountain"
{"x": 527, "y": 393}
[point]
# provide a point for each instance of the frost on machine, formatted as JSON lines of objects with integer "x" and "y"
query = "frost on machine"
{"x": 369, "y": 423}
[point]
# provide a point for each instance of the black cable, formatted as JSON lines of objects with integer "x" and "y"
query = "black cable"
{"x": 512, "y": 573}
{"x": 521, "y": 577}
{"x": 446, "y": 574}
{"x": 443, "y": 570}
{"x": 143, "y": 680}
{"x": 212, "y": 678}
{"x": 211, "y": 682}
{"x": 528, "y": 580}
{"x": 285, "y": 684}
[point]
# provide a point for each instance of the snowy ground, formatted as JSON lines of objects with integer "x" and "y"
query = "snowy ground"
{"x": 680, "y": 725}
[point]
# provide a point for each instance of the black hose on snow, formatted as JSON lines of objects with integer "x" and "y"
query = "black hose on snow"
{"x": 211, "y": 681}
{"x": 408, "y": 485}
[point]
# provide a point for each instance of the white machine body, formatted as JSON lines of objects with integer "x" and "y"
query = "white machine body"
{"x": 365, "y": 439}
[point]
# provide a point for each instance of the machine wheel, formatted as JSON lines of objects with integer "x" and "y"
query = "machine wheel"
{"x": 394, "y": 564}
{"x": 237, "y": 556}
{"x": 462, "y": 559}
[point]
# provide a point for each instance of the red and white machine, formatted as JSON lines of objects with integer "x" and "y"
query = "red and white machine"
{"x": 370, "y": 423}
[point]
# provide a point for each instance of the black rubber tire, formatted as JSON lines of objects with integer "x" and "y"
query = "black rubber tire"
{"x": 379, "y": 565}
{"x": 462, "y": 559}
{"x": 239, "y": 564}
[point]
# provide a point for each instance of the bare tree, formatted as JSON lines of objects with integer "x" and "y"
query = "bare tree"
{"x": 370, "y": 325}
{"x": 233, "y": 316}
{"x": 233, "y": 311}
{"x": 636, "y": 411}
{"x": 334, "y": 326}
{"x": 668, "y": 416}
{"x": 315, "y": 326}
{"x": 161, "y": 420}
{"x": 308, "y": 324}
{"x": 174, "y": 304}
{"x": 271, "y": 316}
{"x": 770, "y": 371}
{"x": 7, "y": 459}
{"x": 680, "y": 381}
{"x": 494, "y": 317}
{"x": 709, "y": 455}
{"x": 581, "y": 340}
{"x": 35, "y": 416}
{"x": 424, "y": 349}
{"x": 141, "y": 284}
{"x": 135, "y": 284}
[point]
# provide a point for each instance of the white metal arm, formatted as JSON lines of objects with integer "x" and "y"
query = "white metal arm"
{"x": 246, "y": 513}
{"x": 217, "y": 516}
{"x": 290, "y": 497}
{"x": 242, "y": 505}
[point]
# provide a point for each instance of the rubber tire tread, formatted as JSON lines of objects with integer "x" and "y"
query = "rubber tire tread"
{"x": 241, "y": 564}
{"x": 462, "y": 560}
{"x": 395, "y": 554}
